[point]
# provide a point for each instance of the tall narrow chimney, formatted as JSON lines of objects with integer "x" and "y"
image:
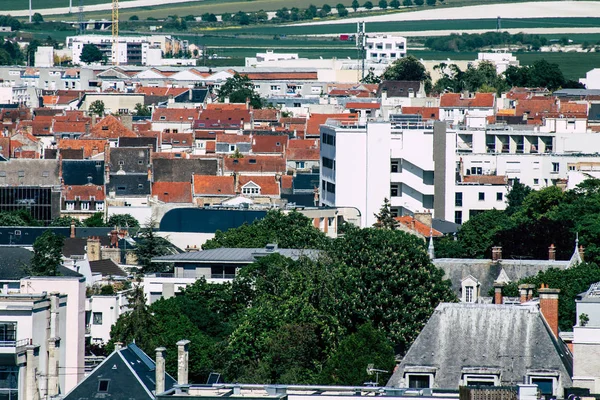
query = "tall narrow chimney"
{"x": 525, "y": 292}
{"x": 72, "y": 228}
{"x": 182, "y": 362}
{"x": 30, "y": 387}
{"x": 496, "y": 253}
{"x": 552, "y": 253}
{"x": 582, "y": 253}
{"x": 160, "y": 370}
{"x": 549, "y": 307}
{"x": 498, "y": 297}
{"x": 52, "y": 367}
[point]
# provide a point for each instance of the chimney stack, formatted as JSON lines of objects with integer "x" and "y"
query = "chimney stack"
{"x": 72, "y": 228}
{"x": 498, "y": 296}
{"x": 526, "y": 292}
{"x": 118, "y": 346}
{"x": 30, "y": 370}
{"x": 424, "y": 217}
{"x": 496, "y": 253}
{"x": 549, "y": 307}
{"x": 182, "y": 362}
{"x": 53, "y": 367}
{"x": 93, "y": 248}
{"x": 160, "y": 370}
{"x": 552, "y": 253}
{"x": 581, "y": 252}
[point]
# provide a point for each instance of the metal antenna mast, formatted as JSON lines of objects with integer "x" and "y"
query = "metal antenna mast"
{"x": 115, "y": 31}
{"x": 361, "y": 44}
{"x": 80, "y": 18}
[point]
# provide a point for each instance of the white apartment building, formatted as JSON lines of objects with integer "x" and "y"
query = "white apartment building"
{"x": 101, "y": 313}
{"x": 586, "y": 340}
{"x": 385, "y": 48}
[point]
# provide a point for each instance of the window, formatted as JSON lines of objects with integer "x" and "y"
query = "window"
{"x": 251, "y": 190}
{"x": 499, "y": 196}
{"x": 140, "y": 186}
{"x": 232, "y": 147}
{"x": 99, "y": 206}
{"x": 536, "y": 181}
{"x": 458, "y": 197}
{"x": 85, "y": 205}
{"x": 394, "y": 190}
{"x": 481, "y": 196}
{"x": 45, "y": 174}
{"x": 395, "y": 166}
{"x": 121, "y": 162}
{"x": 468, "y": 294}
{"x": 555, "y": 167}
{"x": 327, "y": 163}
{"x": 419, "y": 381}
{"x": 21, "y": 174}
{"x": 476, "y": 170}
{"x": 97, "y": 318}
{"x": 300, "y": 164}
{"x": 458, "y": 217}
{"x": 275, "y": 88}
{"x": 140, "y": 162}
{"x": 545, "y": 385}
{"x": 103, "y": 385}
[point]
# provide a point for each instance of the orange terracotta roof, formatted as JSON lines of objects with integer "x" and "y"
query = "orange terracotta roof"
{"x": 207, "y": 134}
{"x": 109, "y": 127}
{"x": 428, "y": 113}
{"x": 227, "y": 106}
{"x": 90, "y": 147}
{"x": 225, "y": 116}
{"x": 211, "y": 147}
{"x": 536, "y": 106}
{"x": 313, "y": 125}
{"x": 486, "y": 179}
{"x": 172, "y": 192}
{"x": 573, "y": 108}
{"x": 255, "y": 164}
{"x": 268, "y": 184}
{"x": 310, "y": 154}
{"x": 417, "y": 226}
{"x": 232, "y": 138}
{"x": 175, "y": 114}
{"x": 178, "y": 139}
{"x": 84, "y": 192}
{"x": 362, "y": 106}
{"x": 266, "y": 114}
{"x": 30, "y": 154}
{"x": 480, "y": 100}
{"x": 269, "y": 143}
{"x": 161, "y": 91}
{"x": 209, "y": 185}
{"x": 287, "y": 181}
{"x": 70, "y": 126}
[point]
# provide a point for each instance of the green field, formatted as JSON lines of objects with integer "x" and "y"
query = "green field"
{"x": 24, "y": 4}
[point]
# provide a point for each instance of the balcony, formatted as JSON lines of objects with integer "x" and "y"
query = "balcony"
{"x": 13, "y": 346}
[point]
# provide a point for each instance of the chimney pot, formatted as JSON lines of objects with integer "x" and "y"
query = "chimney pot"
{"x": 549, "y": 307}
{"x": 498, "y": 296}
{"x": 526, "y": 292}
{"x": 160, "y": 370}
{"x": 552, "y": 253}
{"x": 496, "y": 253}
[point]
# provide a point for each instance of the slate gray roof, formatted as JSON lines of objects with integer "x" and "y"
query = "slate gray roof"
{"x": 181, "y": 170}
{"x": 106, "y": 268}
{"x": 82, "y": 172}
{"x": 486, "y": 271}
{"x": 234, "y": 255}
{"x": 30, "y": 172}
{"x": 512, "y": 339}
{"x": 398, "y": 88}
{"x": 15, "y": 262}
{"x": 131, "y": 374}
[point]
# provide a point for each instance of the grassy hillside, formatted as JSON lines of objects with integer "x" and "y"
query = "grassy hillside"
{"x": 23, "y": 4}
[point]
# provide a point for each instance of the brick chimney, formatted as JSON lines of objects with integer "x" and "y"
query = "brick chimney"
{"x": 160, "y": 370}
{"x": 549, "y": 307}
{"x": 552, "y": 253}
{"x": 72, "y": 228}
{"x": 424, "y": 217}
{"x": 182, "y": 362}
{"x": 93, "y": 248}
{"x": 498, "y": 296}
{"x": 496, "y": 253}
{"x": 526, "y": 292}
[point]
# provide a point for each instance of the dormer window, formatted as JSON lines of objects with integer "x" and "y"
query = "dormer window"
{"x": 470, "y": 289}
{"x": 162, "y": 118}
{"x": 104, "y": 128}
{"x": 251, "y": 188}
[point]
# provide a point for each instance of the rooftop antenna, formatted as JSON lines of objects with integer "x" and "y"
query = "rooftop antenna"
{"x": 361, "y": 44}
{"x": 115, "y": 31}
{"x": 30, "y": 11}
{"x": 371, "y": 370}
{"x": 498, "y": 23}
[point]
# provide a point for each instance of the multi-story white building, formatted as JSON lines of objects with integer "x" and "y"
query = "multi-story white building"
{"x": 386, "y": 48}
{"x": 101, "y": 313}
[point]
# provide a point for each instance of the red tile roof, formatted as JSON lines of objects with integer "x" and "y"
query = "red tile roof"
{"x": 536, "y": 106}
{"x": 417, "y": 226}
{"x": 84, "y": 192}
{"x": 269, "y": 143}
{"x": 209, "y": 185}
{"x": 266, "y": 114}
{"x": 211, "y": 147}
{"x": 268, "y": 184}
{"x": 427, "y": 113}
{"x": 362, "y": 106}
{"x": 232, "y": 138}
{"x": 173, "y": 192}
{"x": 69, "y": 126}
{"x": 178, "y": 139}
{"x": 225, "y": 116}
{"x": 175, "y": 114}
{"x": 313, "y": 125}
{"x": 109, "y": 127}
{"x": 90, "y": 147}
{"x": 287, "y": 181}
{"x": 255, "y": 164}
{"x": 227, "y": 106}
{"x": 479, "y": 100}
{"x": 303, "y": 150}
{"x": 5, "y": 147}
{"x": 161, "y": 91}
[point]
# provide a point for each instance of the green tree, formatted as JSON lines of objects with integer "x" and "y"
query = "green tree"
{"x": 123, "y": 220}
{"x": 238, "y": 89}
{"x": 355, "y": 5}
{"x": 395, "y": 4}
{"x": 515, "y": 197}
{"x": 342, "y": 12}
{"x": 326, "y": 8}
{"x": 348, "y": 363}
{"x": 291, "y": 230}
{"x": 37, "y": 18}
{"x": 47, "y": 254}
{"x": 150, "y": 245}
{"x": 478, "y": 234}
{"x": 407, "y": 3}
{"x": 65, "y": 221}
{"x": 142, "y": 110}
{"x": 209, "y": 17}
{"x": 383, "y": 4}
{"x": 385, "y": 220}
{"x": 371, "y": 77}
{"x": 545, "y": 74}
{"x": 419, "y": 2}
{"x": 431, "y": 2}
{"x": 90, "y": 54}
{"x": 408, "y": 68}
{"x": 97, "y": 108}
{"x": 95, "y": 220}
{"x": 20, "y": 217}
{"x": 368, "y": 5}
{"x": 134, "y": 18}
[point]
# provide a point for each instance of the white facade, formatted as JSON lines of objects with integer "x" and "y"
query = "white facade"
{"x": 128, "y": 50}
{"x": 586, "y": 341}
{"x": 501, "y": 60}
{"x": 102, "y": 313}
{"x": 385, "y": 48}
{"x": 592, "y": 79}
{"x": 44, "y": 57}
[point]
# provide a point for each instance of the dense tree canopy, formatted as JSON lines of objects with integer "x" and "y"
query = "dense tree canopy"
{"x": 300, "y": 321}
{"x": 47, "y": 254}
{"x": 150, "y": 245}
{"x": 408, "y": 68}
{"x": 90, "y": 54}
{"x": 239, "y": 89}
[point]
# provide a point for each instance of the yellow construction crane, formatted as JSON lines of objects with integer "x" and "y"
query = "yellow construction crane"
{"x": 115, "y": 31}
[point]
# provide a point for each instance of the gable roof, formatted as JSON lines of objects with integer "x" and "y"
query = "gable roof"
{"x": 106, "y": 268}
{"x": 131, "y": 373}
{"x": 417, "y": 226}
{"x": 398, "y": 88}
{"x": 479, "y": 100}
{"x": 90, "y": 147}
{"x": 207, "y": 185}
{"x": 109, "y": 127}
{"x": 84, "y": 192}
{"x": 268, "y": 184}
{"x": 269, "y": 143}
{"x": 16, "y": 261}
{"x": 511, "y": 339}
{"x": 173, "y": 192}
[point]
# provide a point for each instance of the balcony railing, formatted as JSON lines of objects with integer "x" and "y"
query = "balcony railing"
{"x": 14, "y": 343}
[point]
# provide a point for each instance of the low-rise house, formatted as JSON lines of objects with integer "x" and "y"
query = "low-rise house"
{"x": 80, "y": 201}
{"x": 455, "y": 107}
{"x": 209, "y": 190}
{"x": 259, "y": 189}
{"x": 176, "y": 120}
{"x": 303, "y": 155}
{"x": 269, "y": 144}
{"x": 227, "y": 143}
{"x": 172, "y": 192}
{"x": 182, "y": 169}
{"x": 255, "y": 165}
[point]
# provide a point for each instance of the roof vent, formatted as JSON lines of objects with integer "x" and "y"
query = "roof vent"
{"x": 271, "y": 247}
